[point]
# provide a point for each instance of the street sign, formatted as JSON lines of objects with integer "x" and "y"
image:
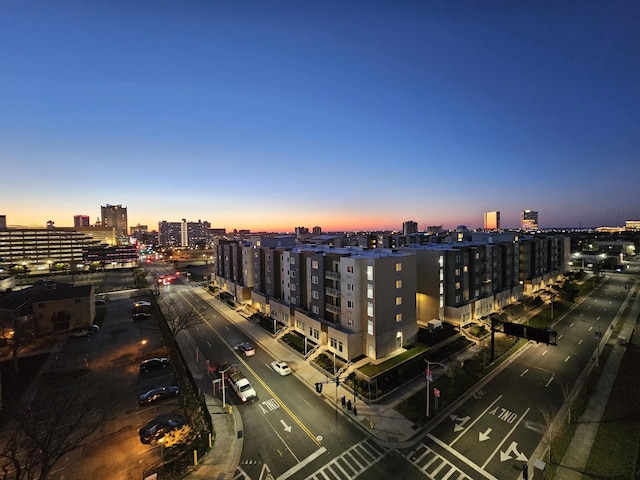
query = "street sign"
{"x": 436, "y": 392}
{"x": 429, "y": 375}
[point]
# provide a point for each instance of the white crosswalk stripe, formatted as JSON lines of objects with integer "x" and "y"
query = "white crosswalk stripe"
{"x": 351, "y": 463}
{"x": 434, "y": 466}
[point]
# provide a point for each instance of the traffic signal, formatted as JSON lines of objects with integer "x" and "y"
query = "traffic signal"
{"x": 319, "y": 387}
{"x": 525, "y": 472}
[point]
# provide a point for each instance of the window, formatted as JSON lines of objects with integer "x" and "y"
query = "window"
{"x": 398, "y": 283}
{"x": 315, "y": 295}
{"x": 398, "y": 267}
{"x": 349, "y": 268}
{"x": 314, "y": 264}
{"x": 333, "y": 342}
{"x": 398, "y": 300}
{"x": 370, "y": 291}
{"x": 457, "y": 298}
{"x": 466, "y": 268}
{"x": 457, "y": 258}
{"x": 314, "y": 279}
{"x": 350, "y": 321}
{"x": 370, "y": 309}
{"x": 349, "y": 304}
{"x": 350, "y": 287}
{"x": 293, "y": 260}
{"x": 457, "y": 285}
{"x": 315, "y": 310}
{"x": 369, "y": 327}
{"x": 398, "y": 317}
{"x": 339, "y": 346}
{"x": 370, "y": 273}
{"x": 457, "y": 272}
{"x": 293, "y": 274}
{"x": 293, "y": 287}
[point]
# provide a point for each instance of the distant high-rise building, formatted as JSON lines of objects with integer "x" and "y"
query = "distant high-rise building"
{"x": 302, "y": 231}
{"x": 529, "y": 220}
{"x": 3, "y": 222}
{"x": 409, "y": 227}
{"x": 184, "y": 233}
{"x": 317, "y": 230}
{"x": 115, "y": 216}
{"x": 492, "y": 220}
{"x": 80, "y": 221}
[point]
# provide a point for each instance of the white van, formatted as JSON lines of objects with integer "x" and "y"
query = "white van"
{"x": 434, "y": 325}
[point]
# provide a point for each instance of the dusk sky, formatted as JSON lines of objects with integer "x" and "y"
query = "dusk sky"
{"x": 349, "y": 115}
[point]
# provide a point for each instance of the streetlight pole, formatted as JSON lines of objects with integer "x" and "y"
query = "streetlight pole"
{"x": 222, "y": 379}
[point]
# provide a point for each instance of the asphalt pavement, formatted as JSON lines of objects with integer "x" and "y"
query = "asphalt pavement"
{"x": 381, "y": 420}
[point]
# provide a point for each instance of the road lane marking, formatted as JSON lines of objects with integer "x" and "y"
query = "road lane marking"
{"x": 476, "y": 420}
{"x": 505, "y": 438}
{"x": 545, "y": 352}
{"x": 462, "y": 458}
{"x": 241, "y": 360}
{"x": 524, "y": 373}
{"x": 567, "y": 359}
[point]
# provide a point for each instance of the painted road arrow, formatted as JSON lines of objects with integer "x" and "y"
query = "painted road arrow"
{"x": 459, "y": 421}
{"x": 504, "y": 456}
{"x": 482, "y": 436}
{"x": 287, "y": 428}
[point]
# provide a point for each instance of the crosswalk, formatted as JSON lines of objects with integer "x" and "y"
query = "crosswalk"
{"x": 434, "y": 466}
{"x": 351, "y": 463}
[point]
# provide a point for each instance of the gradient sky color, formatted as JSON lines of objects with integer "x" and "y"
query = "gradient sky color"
{"x": 350, "y": 115}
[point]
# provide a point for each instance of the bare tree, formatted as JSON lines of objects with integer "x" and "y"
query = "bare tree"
{"x": 40, "y": 433}
{"x": 566, "y": 394}
{"x": 178, "y": 316}
{"x": 552, "y": 430}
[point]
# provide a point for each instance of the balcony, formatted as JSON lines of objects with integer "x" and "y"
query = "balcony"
{"x": 332, "y": 292}
{"x": 332, "y": 275}
{"x": 332, "y": 308}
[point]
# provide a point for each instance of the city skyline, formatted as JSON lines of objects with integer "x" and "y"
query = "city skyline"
{"x": 350, "y": 117}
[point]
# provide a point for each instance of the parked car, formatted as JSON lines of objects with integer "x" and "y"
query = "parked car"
{"x": 153, "y": 364}
{"x": 281, "y": 368}
{"x": 141, "y": 316}
{"x": 246, "y": 349}
{"x": 84, "y": 332}
{"x": 158, "y": 428}
{"x": 157, "y": 394}
{"x": 99, "y": 301}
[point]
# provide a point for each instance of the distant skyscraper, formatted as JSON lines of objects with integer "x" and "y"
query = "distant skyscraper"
{"x": 115, "y": 216}
{"x": 409, "y": 227}
{"x": 492, "y": 220}
{"x": 3, "y": 222}
{"x": 529, "y": 220}
{"x": 317, "y": 230}
{"x": 80, "y": 221}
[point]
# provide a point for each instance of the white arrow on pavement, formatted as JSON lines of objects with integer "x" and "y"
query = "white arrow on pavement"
{"x": 460, "y": 421}
{"x": 513, "y": 449}
{"x": 287, "y": 428}
{"x": 482, "y": 436}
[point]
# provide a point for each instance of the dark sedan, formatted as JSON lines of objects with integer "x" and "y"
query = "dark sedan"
{"x": 153, "y": 364}
{"x": 156, "y": 429}
{"x": 157, "y": 394}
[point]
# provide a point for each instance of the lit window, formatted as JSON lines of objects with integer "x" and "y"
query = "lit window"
{"x": 398, "y": 283}
{"x": 369, "y": 291}
{"x": 398, "y": 267}
{"x": 398, "y": 317}
{"x": 457, "y": 285}
{"x": 339, "y": 346}
{"x": 314, "y": 264}
{"x": 398, "y": 300}
{"x": 466, "y": 268}
{"x": 369, "y": 327}
{"x": 370, "y": 273}
{"x": 350, "y": 321}
{"x": 370, "y": 309}
{"x": 457, "y": 272}
{"x": 350, "y": 269}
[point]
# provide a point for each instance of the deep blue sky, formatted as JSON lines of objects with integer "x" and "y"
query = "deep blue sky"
{"x": 348, "y": 115}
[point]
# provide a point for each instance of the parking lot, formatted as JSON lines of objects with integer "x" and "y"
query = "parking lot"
{"x": 108, "y": 363}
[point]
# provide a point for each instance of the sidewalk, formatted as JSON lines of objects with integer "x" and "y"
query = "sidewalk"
{"x": 575, "y": 458}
